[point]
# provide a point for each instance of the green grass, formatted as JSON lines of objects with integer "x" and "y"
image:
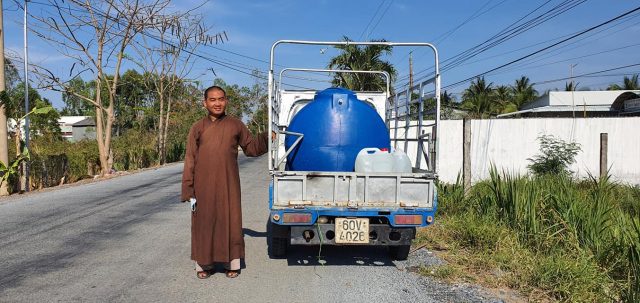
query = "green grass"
{"x": 550, "y": 237}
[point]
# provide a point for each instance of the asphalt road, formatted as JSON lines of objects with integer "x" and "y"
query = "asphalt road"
{"x": 127, "y": 239}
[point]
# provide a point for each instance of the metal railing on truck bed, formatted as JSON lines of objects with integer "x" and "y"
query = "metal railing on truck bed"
{"x": 357, "y": 189}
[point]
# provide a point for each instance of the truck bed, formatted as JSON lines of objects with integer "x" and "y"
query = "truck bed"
{"x": 352, "y": 190}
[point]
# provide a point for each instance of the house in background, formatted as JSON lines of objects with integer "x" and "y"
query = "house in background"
{"x": 76, "y": 128}
{"x": 582, "y": 104}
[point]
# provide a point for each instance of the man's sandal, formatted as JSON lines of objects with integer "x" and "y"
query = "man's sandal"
{"x": 203, "y": 274}
{"x": 232, "y": 273}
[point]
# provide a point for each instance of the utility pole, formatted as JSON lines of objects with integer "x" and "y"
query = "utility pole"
{"x": 26, "y": 99}
{"x": 573, "y": 88}
{"x": 410, "y": 70}
{"x": 4, "y": 148}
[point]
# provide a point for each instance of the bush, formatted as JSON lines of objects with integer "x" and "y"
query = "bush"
{"x": 80, "y": 157}
{"x": 134, "y": 149}
{"x": 555, "y": 158}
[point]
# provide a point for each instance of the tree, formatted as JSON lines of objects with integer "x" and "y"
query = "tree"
{"x": 95, "y": 35}
{"x": 523, "y": 92}
{"x": 189, "y": 109}
{"x": 259, "y": 115}
{"x": 479, "y": 86}
{"x": 74, "y": 105}
{"x": 9, "y": 170}
{"x": 447, "y": 105}
{"x": 167, "y": 53}
{"x": 355, "y": 57}
{"x": 503, "y": 96}
{"x": 478, "y": 99}
{"x": 133, "y": 96}
{"x": 11, "y": 75}
{"x": 627, "y": 84}
{"x": 43, "y": 123}
{"x": 570, "y": 86}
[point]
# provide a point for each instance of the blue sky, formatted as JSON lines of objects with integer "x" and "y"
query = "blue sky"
{"x": 453, "y": 26}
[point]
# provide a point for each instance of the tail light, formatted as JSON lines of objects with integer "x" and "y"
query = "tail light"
{"x": 408, "y": 219}
{"x": 296, "y": 218}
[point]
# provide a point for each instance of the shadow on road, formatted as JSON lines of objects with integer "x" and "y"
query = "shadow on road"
{"x": 254, "y": 234}
{"x": 338, "y": 255}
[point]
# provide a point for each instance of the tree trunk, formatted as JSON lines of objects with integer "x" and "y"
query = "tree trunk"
{"x": 166, "y": 131}
{"x": 103, "y": 151}
{"x": 160, "y": 127}
{"x": 107, "y": 141}
{"x": 100, "y": 135}
{"x": 17, "y": 140}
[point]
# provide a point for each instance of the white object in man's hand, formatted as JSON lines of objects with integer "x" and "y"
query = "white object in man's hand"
{"x": 193, "y": 204}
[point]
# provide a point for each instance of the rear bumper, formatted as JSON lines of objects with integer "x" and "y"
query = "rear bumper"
{"x": 379, "y": 234}
{"x": 388, "y": 213}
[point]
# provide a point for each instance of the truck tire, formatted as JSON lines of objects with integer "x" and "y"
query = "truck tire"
{"x": 278, "y": 247}
{"x": 399, "y": 253}
{"x": 277, "y": 240}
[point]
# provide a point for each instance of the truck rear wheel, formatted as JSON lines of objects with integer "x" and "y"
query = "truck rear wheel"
{"x": 278, "y": 247}
{"x": 278, "y": 240}
{"x": 400, "y": 252}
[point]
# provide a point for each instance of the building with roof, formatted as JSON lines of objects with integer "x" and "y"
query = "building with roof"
{"x": 76, "y": 128}
{"x": 567, "y": 104}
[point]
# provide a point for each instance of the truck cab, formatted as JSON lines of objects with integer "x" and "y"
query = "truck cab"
{"x": 354, "y": 207}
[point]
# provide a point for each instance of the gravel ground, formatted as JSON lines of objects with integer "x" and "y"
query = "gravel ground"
{"x": 457, "y": 292}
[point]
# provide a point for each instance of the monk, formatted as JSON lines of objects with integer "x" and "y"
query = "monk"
{"x": 211, "y": 177}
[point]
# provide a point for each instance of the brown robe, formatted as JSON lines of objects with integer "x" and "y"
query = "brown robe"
{"x": 211, "y": 176}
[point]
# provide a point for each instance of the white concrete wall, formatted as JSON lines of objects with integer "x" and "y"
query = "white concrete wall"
{"x": 450, "y": 155}
{"x": 508, "y": 143}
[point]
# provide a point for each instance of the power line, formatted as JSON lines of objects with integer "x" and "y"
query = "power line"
{"x": 509, "y": 33}
{"x": 569, "y": 59}
{"x": 559, "y": 50}
{"x": 371, "y": 20}
{"x": 514, "y": 29}
{"x": 218, "y": 62}
{"x": 504, "y": 30}
{"x": 546, "y": 48}
{"x": 586, "y": 74}
{"x": 477, "y": 13}
{"x": 379, "y": 19}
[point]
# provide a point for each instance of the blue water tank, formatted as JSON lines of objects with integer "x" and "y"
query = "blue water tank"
{"x": 336, "y": 126}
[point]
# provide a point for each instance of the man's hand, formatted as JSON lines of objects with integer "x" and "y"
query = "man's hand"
{"x": 273, "y": 136}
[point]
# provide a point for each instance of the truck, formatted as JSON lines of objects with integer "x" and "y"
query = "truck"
{"x": 345, "y": 208}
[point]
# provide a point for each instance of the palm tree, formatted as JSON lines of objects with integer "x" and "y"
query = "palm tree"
{"x": 447, "y": 103}
{"x": 478, "y": 87}
{"x": 356, "y": 57}
{"x": 523, "y": 92}
{"x": 478, "y": 99}
{"x": 570, "y": 86}
{"x": 628, "y": 84}
{"x": 503, "y": 99}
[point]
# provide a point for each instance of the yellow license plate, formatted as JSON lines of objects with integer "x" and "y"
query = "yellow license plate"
{"x": 352, "y": 230}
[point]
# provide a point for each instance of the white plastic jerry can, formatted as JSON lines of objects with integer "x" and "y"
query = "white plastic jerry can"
{"x": 374, "y": 160}
{"x": 401, "y": 162}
